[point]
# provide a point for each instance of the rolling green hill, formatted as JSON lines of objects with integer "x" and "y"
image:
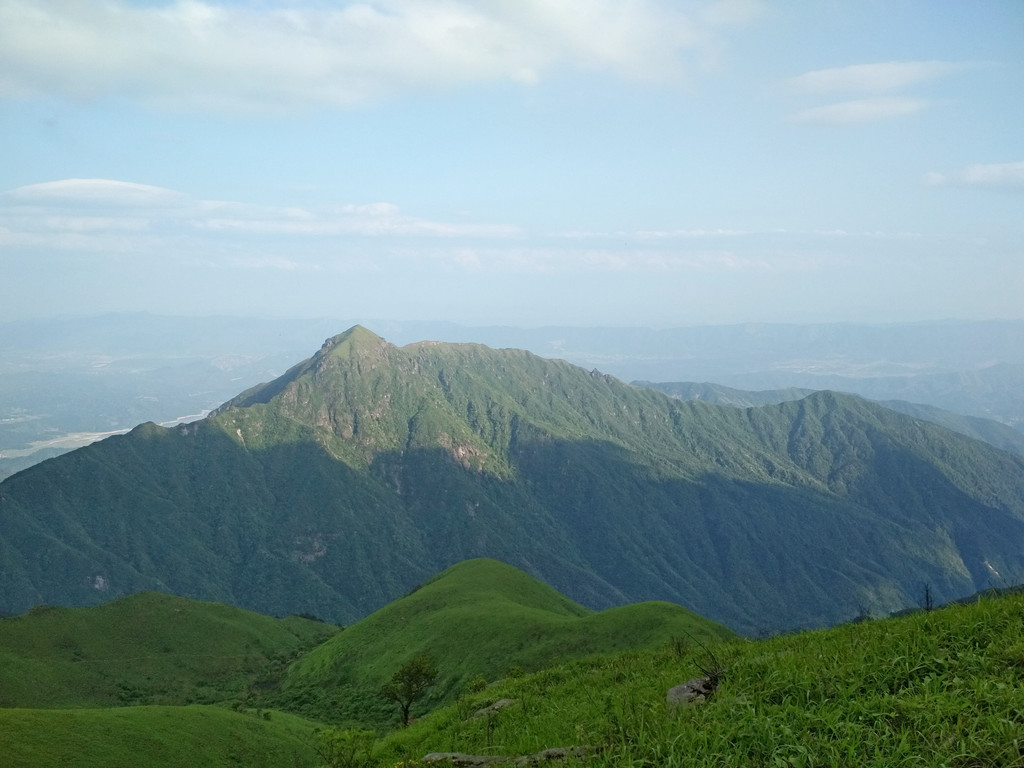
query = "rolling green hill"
{"x": 938, "y": 688}
{"x": 369, "y": 467}
{"x": 145, "y": 649}
{"x": 478, "y": 619}
{"x": 155, "y": 737}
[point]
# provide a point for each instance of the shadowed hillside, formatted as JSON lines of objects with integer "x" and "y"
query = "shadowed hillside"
{"x": 368, "y": 468}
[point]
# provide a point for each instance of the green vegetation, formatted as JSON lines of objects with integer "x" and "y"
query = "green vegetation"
{"x": 409, "y": 683}
{"x": 943, "y": 687}
{"x": 368, "y": 468}
{"x": 155, "y": 737}
{"x": 149, "y": 648}
{"x": 477, "y": 620}
{"x": 938, "y": 688}
{"x": 993, "y": 432}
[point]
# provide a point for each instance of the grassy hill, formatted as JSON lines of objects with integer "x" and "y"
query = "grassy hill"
{"x": 938, "y": 688}
{"x": 148, "y": 648}
{"x": 66, "y": 674}
{"x": 933, "y": 688}
{"x": 478, "y": 619}
{"x": 155, "y": 737}
{"x": 368, "y": 468}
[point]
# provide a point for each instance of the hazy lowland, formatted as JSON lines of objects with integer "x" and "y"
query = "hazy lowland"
{"x": 557, "y": 536}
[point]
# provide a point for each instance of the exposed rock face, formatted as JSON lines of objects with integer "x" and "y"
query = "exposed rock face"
{"x": 492, "y": 708}
{"x": 460, "y": 760}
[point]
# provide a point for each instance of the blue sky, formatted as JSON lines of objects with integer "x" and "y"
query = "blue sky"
{"x": 524, "y": 162}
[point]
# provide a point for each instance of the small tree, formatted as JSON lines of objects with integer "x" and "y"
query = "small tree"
{"x": 409, "y": 683}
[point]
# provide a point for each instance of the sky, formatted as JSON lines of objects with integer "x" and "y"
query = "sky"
{"x": 514, "y": 162}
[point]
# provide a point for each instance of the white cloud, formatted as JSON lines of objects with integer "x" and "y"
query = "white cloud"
{"x": 861, "y": 111}
{"x": 655, "y": 234}
{"x": 873, "y": 78}
{"x": 96, "y": 191}
{"x": 210, "y": 56}
{"x": 992, "y": 175}
{"x": 875, "y": 81}
{"x": 79, "y": 213}
{"x": 578, "y": 261}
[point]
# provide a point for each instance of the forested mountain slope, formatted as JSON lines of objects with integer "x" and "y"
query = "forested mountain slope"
{"x": 362, "y": 471}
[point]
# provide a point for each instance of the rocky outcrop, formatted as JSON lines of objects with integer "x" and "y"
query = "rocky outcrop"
{"x": 492, "y": 709}
{"x": 694, "y": 691}
{"x": 460, "y": 760}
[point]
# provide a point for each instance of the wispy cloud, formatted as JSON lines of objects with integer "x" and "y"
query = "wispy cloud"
{"x": 582, "y": 260}
{"x": 861, "y": 111}
{"x": 874, "y": 81}
{"x": 873, "y": 78}
{"x": 991, "y": 175}
{"x": 90, "y": 214}
{"x": 222, "y": 57}
{"x": 96, "y": 192}
{"x": 656, "y": 234}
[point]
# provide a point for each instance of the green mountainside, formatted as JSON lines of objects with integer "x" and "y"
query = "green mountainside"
{"x": 148, "y": 648}
{"x": 720, "y": 394}
{"x": 368, "y": 468}
{"x": 995, "y": 433}
{"x": 478, "y": 619}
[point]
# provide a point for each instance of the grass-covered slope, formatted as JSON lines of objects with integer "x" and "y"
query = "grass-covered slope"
{"x": 366, "y": 469}
{"x": 155, "y": 737}
{"x": 149, "y": 648}
{"x": 478, "y": 619}
{"x": 939, "y": 688}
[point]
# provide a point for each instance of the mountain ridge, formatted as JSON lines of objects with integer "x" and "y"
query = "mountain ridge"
{"x": 368, "y": 467}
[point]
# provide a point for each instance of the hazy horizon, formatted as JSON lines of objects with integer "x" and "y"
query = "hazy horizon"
{"x": 530, "y": 164}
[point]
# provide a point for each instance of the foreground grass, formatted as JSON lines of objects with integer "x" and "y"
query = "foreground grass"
{"x": 942, "y": 688}
{"x": 155, "y": 737}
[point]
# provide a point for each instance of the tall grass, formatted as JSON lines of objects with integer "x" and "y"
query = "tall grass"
{"x": 942, "y": 688}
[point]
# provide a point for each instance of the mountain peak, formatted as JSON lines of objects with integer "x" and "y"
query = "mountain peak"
{"x": 355, "y": 341}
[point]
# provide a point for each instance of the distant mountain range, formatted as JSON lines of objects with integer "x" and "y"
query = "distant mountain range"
{"x": 367, "y": 468}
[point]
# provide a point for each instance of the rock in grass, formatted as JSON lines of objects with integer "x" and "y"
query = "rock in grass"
{"x": 492, "y": 709}
{"x": 460, "y": 760}
{"x": 695, "y": 691}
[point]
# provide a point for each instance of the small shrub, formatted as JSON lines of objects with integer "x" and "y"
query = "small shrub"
{"x": 476, "y": 685}
{"x": 348, "y": 748}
